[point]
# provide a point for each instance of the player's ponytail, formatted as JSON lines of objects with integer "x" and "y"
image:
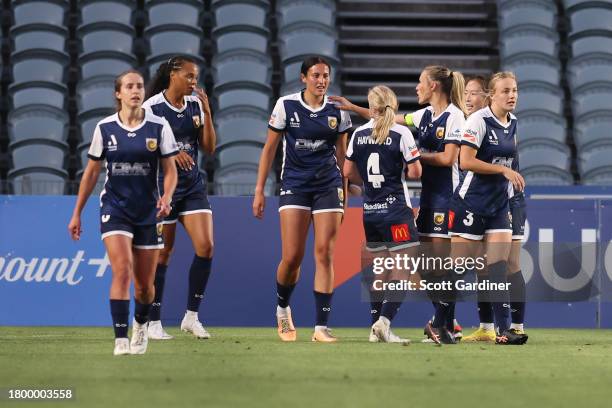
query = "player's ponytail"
{"x": 383, "y": 105}
{"x": 452, "y": 82}
{"x": 118, "y": 82}
{"x": 161, "y": 79}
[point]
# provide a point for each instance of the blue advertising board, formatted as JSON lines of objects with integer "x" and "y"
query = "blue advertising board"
{"x": 47, "y": 279}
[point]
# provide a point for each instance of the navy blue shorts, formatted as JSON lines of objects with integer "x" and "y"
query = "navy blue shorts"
{"x": 465, "y": 223}
{"x": 399, "y": 234}
{"x": 518, "y": 217}
{"x": 331, "y": 200}
{"x": 143, "y": 236}
{"x": 196, "y": 202}
{"x": 433, "y": 222}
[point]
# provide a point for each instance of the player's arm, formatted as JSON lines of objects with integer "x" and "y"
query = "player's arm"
{"x": 344, "y": 104}
{"x": 208, "y": 136}
{"x": 469, "y": 162}
{"x": 442, "y": 159}
{"x": 88, "y": 183}
{"x": 170, "y": 180}
{"x": 414, "y": 170}
{"x": 265, "y": 162}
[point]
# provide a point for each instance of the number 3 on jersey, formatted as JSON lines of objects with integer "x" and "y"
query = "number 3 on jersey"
{"x": 374, "y": 176}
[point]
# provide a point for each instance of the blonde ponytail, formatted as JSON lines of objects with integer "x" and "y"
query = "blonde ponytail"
{"x": 453, "y": 84}
{"x": 383, "y": 104}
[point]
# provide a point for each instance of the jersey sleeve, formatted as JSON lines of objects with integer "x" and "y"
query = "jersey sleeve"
{"x": 278, "y": 120}
{"x": 96, "y": 148}
{"x": 167, "y": 143}
{"x": 473, "y": 131}
{"x": 414, "y": 118}
{"x": 345, "y": 122}
{"x": 350, "y": 151}
{"x": 408, "y": 147}
{"x": 454, "y": 125}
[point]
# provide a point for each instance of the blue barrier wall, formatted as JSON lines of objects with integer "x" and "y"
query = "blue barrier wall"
{"x": 47, "y": 279}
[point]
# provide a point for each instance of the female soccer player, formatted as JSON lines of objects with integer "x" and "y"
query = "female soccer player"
{"x": 314, "y": 136}
{"x": 135, "y": 144}
{"x": 480, "y": 206}
{"x": 381, "y": 155}
{"x": 439, "y": 129}
{"x": 174, "y": 95}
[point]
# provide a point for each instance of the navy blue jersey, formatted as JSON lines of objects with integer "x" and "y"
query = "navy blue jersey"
{"x": 186, "y": 124}
{"x": 132, "y": 165}
{"x": 309, "y": 143}
{"x": 434, "y": 133}
{"x": 382, "y": 168}
{"x": 487, "y": 194}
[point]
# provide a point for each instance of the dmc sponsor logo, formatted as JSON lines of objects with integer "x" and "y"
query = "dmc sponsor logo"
{"x": 503, "y": 161}
{"x": 311, "y": 145}
{"x": 130, "y": 169}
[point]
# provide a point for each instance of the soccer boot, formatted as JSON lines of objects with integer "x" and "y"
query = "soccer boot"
{"x": 431, "y": 333}
{"x": 140, "y": 338}
{"x": 286, "y": 329}
{"x": 191, "y": 324}
{"x": 122, "y": 346}
{"x": 157, "y": 332}
{"x": 480, "y": 335}
{"x": 511, "y": 337}
{"x": 323, "y": 336}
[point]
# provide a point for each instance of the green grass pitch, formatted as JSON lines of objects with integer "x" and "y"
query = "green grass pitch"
{"x": 250, "y": 367}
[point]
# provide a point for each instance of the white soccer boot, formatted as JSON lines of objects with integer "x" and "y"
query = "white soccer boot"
{"x": 191, "y": 324}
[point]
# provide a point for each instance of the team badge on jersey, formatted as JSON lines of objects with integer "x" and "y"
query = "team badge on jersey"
{"x": 400, "y": 233}
{"x": 151, "y": 144}
{"x": 196, "y": 121}
{"x": 332, "y": 122}
{"x": 438, "y": 218}
{"x": 440, "y": 132}
{"x": 341, "y": 195}
{"x": 160, "y": 228}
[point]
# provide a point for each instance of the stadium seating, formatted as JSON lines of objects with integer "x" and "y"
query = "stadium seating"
{"x": 242, "y": 125}
{"x": 512, "y": 13}
{"x": 104, "y": 11}
{"x": 531, "y": 67}
{"x": 593, "y": 129}
{"x": 240, "y": 180}
{"x": 239, "y": 154}
{"x": 545, "y": 163}
{"x": 589, "y": 69}
{"x": 596, "y": 96}
{"x": 241, "y": 13}
{"x": 310, "y": 11}
{"x": 38, "y": 122}
{"x": 53, "y": 13}
{"x": 96, "y": 94}
{"x": 173, "y": 27}
{"x": 241, "y": 67}
{"x": 541, "y": 126}
{"x": 38, "y": 181}
{"x": 537, "y": 96}
{"x": 529, "y": 39}
{"x": 38, "y": 153}
{"x": 180, "y": 12}
{"x": 249, "y": 96}
{"x": 595, "y": 165}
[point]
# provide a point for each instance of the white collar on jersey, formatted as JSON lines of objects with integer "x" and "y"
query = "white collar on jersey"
{"x": 448, "y": 109}
{"x": 174, "y": 108}
{"x": 310, "y": 108}
{"x": 507, "y": 125}
{"x": 124, "y": 127}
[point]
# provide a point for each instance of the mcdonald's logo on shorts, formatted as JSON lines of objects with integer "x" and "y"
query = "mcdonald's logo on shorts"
{"x": 400, "y": 233}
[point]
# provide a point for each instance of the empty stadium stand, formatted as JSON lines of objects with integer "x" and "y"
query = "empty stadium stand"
{"x": 59, "y": 59}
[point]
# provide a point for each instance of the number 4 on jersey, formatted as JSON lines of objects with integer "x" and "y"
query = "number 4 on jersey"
{"x": 374, "y": 166}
